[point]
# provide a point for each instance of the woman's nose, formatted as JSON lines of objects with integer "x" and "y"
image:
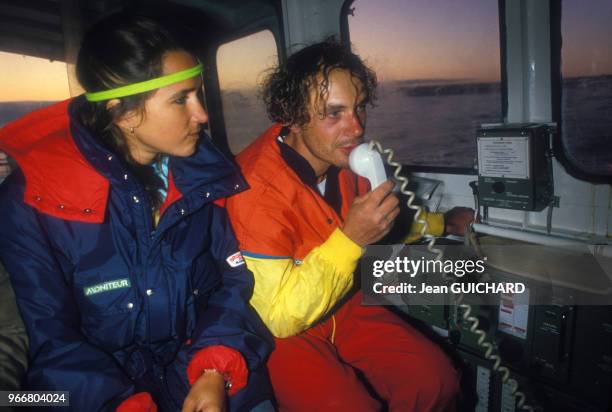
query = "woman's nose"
{"x": 200, "y": 115}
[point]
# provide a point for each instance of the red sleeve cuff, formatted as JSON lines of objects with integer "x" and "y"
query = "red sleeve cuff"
{"x": 227, "y": 361}
{"x": 139, "y": 402}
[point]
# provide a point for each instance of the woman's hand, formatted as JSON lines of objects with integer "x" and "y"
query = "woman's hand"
{"x": 207, "y": 394}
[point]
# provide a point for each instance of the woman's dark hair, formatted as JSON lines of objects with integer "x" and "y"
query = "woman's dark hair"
{"x": 286, "y": 90}
{"x": 120, "y": 50}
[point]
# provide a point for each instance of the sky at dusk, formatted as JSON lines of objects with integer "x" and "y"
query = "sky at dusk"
{"x": 256, "y": 52}
{"x": 428, "y": 39}
{"x": 400, "y": 39}
{"x": 32, "y": 78}
{"x": 587, "y": 37}
{"x": 459, "y": 39}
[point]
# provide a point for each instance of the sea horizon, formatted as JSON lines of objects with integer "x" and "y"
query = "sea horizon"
{"x": 418, "y": 118}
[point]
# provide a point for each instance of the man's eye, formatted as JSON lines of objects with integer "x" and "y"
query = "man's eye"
{"x": 334, "y": 115}
{"x": 361, "y": 108}
{"x": 181, "y": 100}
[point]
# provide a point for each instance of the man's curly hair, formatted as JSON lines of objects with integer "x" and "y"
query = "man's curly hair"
{"x": 286, "y": 89}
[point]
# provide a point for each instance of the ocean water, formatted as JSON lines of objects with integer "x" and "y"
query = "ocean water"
{"x": 425, "y": 122}
{"x": 433, "y": 122}
{"x": 10, "y": 111}
{"x": 586, "y": 105}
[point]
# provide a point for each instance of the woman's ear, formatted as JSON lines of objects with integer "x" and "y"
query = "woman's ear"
{"x": 128, "y": 120}
{"x": 112, "y": 103}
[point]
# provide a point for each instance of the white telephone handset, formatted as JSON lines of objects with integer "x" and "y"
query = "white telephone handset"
{"x": 367, "y": 163}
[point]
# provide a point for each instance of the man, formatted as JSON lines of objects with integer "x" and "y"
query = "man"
{"x": 302, "y": 227}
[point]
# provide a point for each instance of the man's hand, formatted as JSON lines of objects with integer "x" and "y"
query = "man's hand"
{"x": 207, "y": 394}
{"x": 456, "y": 219}
{"x": 371, "y": 216}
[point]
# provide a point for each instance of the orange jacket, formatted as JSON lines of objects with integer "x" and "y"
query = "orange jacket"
{"x": 291, "y": 238}
{"x": 279, "y": 215}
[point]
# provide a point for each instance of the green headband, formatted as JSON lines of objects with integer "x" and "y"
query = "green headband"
{"x": 145, "y": 86}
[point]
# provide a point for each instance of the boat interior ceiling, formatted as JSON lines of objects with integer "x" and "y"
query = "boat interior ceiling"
{"x": 39, "y": 27}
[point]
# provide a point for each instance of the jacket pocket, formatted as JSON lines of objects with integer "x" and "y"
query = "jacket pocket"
{"x": 108, "y": 309}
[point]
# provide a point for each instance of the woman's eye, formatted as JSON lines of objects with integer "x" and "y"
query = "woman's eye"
{"x": 181, "y": 100}
{"x": 200, "y": 95}
{"x": 334, "y": 114}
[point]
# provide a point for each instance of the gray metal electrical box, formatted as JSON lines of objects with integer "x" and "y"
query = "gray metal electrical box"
{"x": 514, "y": 168}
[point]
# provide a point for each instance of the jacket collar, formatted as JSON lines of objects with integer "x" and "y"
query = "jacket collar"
{"x": 307, "y": 175}
{"x": 68, "y": 172}
{"x": 264, "y": 151}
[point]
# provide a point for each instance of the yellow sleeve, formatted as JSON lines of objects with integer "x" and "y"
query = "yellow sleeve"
{"x": 435, "y": 223}
{"x": 291, "y": 295}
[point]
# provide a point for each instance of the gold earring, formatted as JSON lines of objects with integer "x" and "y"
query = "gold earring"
{"x": 131, "y": 130}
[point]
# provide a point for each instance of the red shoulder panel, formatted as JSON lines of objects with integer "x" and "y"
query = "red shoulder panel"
{"x": 59, "y": 180}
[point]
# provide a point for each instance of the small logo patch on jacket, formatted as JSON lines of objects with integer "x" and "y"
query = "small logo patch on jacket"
{"x": 235, "y": 260}
{"x": 107, "y": 286}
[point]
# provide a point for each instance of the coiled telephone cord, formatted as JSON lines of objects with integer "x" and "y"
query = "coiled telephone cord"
{"x": 490, "y": 351}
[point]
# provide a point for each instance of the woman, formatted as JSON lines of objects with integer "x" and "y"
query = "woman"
{"x": 127, "y": 276}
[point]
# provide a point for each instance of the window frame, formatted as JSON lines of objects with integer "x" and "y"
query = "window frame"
{"x": 212, "y": 86}
{"x": 345, "y": 39}
{"x": 559, "y": 150}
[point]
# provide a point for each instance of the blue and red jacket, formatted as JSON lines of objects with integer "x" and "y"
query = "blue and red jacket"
{"x": 114, "y": 307}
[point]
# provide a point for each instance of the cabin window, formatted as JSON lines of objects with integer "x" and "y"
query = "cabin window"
{"x": 586, "y": 86}
{"x": 438, "y": 67}
{"x": 28, "y": 83}
{"x": 241, "y": 65}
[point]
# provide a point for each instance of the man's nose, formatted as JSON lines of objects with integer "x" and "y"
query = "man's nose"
{"x": 356, "y": 126}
